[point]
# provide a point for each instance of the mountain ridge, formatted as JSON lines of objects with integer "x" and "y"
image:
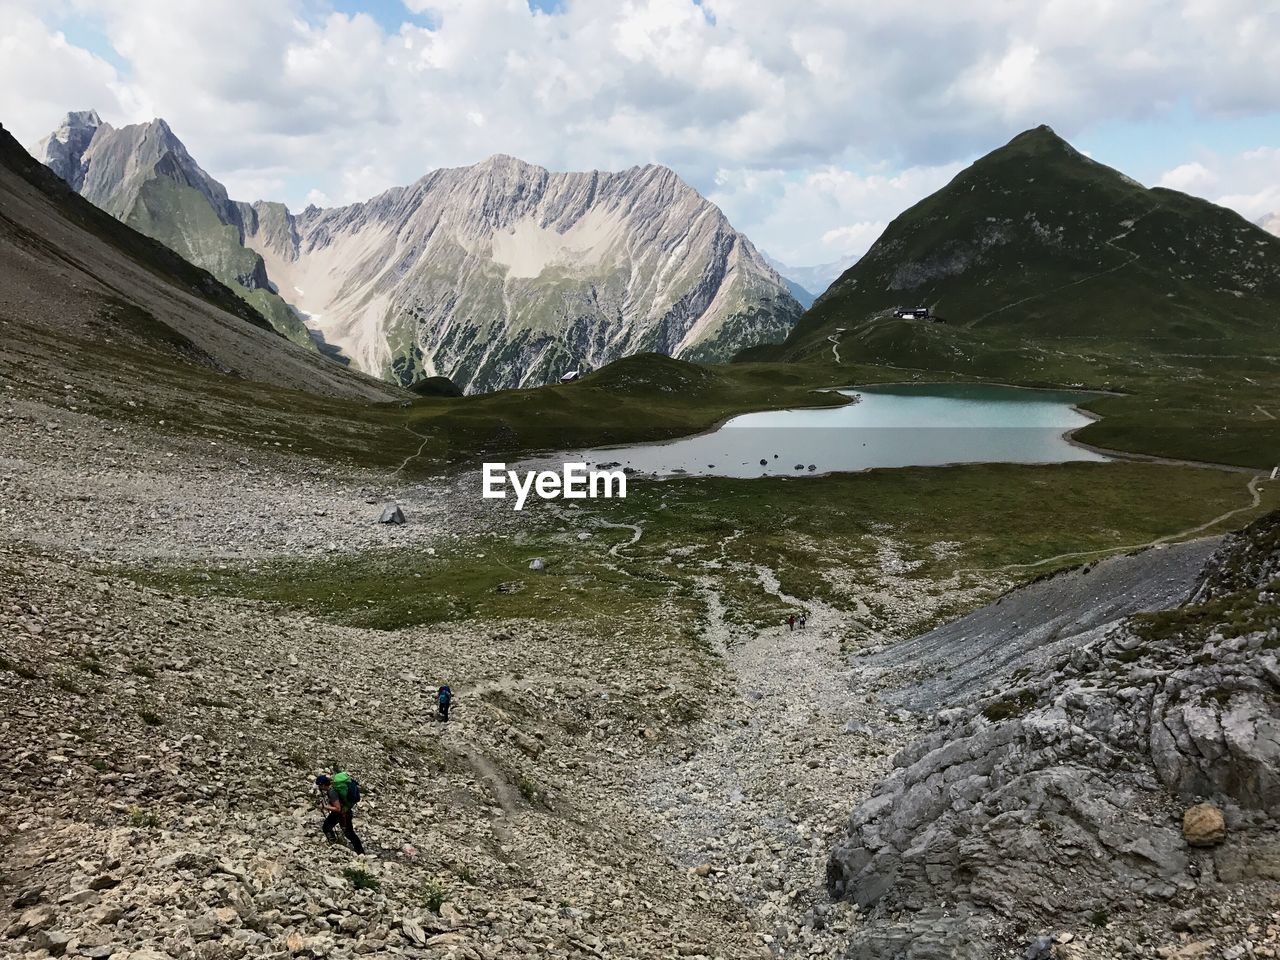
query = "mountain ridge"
{"x": 497, "y": 274}
{"x": 1037, "y": 240}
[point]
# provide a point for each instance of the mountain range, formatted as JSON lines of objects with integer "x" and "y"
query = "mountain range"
{"x": 495, "y": 275}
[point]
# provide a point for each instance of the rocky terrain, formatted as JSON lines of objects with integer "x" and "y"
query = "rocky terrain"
{"x": 499, "y": 274}
{"x": 618, "y": 782}
{"x": 143, "y": 175}
{"x": 1117, "y": 775}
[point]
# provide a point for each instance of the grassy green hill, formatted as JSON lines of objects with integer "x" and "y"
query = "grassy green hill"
{"x": 1050, "y": 268}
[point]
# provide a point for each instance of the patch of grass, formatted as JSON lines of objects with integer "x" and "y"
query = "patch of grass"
{"x": 143, "y": 819}
{"x": 151, "y": 719}
{"x": 361, "y": 879}
{"x": 433, "y": 894}
{"x": 1009, "y": 706}
{"x": 90, "y": 665}
{"x": 140, "y": 669}
{"x": 67, "y": 684}
{"x": 529, "y": 790}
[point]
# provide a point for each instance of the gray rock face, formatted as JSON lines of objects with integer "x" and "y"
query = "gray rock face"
{"x": 63, "y": 149}
{"x": 505, "y": 274}
{"x": 501, "y": 274}
{"x": 1064, "y": 792}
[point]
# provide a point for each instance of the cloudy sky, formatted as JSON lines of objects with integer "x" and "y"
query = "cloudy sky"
{"x": 810, "y": 122}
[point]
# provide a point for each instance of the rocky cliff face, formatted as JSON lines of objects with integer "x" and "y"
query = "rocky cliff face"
{"x": 504, "y": 274}
{"x": 1059, "y": 797}
{"x": 497, "y": 275}
{"x": 143, "y": 175}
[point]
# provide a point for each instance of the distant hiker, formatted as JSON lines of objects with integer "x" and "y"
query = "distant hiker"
{"x": 444, "y": 697}
{"x": 338, "y": 796}
{"x": 791, "y": 622}
{"x": 803, "y": 620}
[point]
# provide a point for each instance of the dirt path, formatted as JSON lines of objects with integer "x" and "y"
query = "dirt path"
{"x": 413, "y": 456}
{"x": 1255, "y": 500}
{"x": 835, "y": 346}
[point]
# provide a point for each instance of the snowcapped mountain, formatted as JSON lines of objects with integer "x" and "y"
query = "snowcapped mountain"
{"x": 496, "y": 275}
{"x": 1270, "y": 222}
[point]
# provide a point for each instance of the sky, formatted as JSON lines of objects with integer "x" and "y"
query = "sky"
{"x": 811, "y": 123}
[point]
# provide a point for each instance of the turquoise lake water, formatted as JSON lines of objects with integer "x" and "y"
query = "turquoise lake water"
{"x": 890, "y": 426}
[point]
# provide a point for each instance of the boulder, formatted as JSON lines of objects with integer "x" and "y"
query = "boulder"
{"x": 537, "y": 563}
{"x": 392, "y": 513}
{"x": 1203, "y": 826}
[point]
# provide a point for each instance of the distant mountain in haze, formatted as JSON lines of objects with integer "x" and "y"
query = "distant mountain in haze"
{"x": 812, "y": 280}
{"x": 1270, "y": 223}
{"x": 496, "y": 275}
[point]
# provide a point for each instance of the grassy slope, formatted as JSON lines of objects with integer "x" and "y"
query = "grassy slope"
{"x": 180, "y": 217}
{"x": 1051, "y": 270}
{"x": 156, "y": 257}
{"x": 823, "y": 536}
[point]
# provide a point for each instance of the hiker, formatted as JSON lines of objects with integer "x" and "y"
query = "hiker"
{"x": 803, "y": 620}
{"x": 444, "y": 696}
{"x": 791, "y": 622}
{"x": 339, "y": 794}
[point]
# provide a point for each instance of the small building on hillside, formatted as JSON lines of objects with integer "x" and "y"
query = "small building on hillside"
{"x": 571, "y": 376}
{"x": 912, "y": 313}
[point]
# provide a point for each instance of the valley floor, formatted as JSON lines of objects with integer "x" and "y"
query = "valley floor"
{"x": 643, "y": 760}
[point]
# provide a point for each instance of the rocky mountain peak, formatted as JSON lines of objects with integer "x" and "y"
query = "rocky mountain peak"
{"x": 63, "y": 149}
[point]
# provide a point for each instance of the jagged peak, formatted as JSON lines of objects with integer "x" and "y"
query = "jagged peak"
{"x": 77, "y": 120}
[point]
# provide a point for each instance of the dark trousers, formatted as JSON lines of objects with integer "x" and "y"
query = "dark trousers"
{"x": 444, "y": 710}
{"x": 342, "y": 818}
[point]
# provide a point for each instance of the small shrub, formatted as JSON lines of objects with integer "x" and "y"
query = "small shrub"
{"x": 89, "y": 665}
{"x": 142, "y": 670}
{"x": 433, "y": 895}
{"x": 528, "y": 789}
{"x": 150, "y": 719}
{"x": 361, "y": 879}
{"x": 143, "y": 818}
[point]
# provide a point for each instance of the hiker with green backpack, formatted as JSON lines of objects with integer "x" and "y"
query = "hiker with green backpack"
{"x": 339, "y": 794}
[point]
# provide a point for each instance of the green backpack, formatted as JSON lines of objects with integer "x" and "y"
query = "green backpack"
{"x": 347, "y": 788}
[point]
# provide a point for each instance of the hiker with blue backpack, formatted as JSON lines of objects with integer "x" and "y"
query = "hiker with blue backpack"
{"x": 444, "y": 697}
{"x": 339, "y": 794}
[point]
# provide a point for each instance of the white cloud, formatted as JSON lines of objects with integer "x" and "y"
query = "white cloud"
{"x": 815, "y": 89}
{"x": 823, "y": 214}
{"x": 1247, "y": 182}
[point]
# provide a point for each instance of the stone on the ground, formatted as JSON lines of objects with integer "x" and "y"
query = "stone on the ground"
{"x": 1203, "y": 825}
{"x": 391, "y": 513}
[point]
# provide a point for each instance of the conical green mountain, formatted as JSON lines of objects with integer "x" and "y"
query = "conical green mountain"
{"x": 1040, "y": 261}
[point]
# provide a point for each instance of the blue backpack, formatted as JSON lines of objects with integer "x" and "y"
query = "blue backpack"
{"x": 445, "y": 695}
